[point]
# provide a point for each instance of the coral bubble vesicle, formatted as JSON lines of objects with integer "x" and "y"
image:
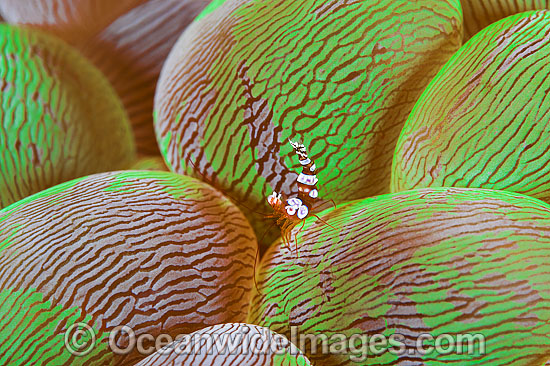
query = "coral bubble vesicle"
{"x": 157, "y": 252}
{"x": 340, "y": 76}
{"x": 230, "y": 344}
{"x": 149, "y": 163}
{"x": 59, "y": 118}
{"x": 446, "y": 262}
{"x": 484, "y": 121}
{"x": 480, "y": 13}
{"x": 131, "y": 52}
{"x": 70, "y": 19}
{"x": 128, "y": 40}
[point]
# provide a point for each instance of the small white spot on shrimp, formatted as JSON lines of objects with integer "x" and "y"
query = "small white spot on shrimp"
{"x": 309, "y": 180}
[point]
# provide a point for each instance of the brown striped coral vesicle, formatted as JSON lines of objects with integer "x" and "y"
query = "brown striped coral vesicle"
{"x": 447, "y": 262}
{"x": 340, "y": 76}
{"x": 60, "y": 118}
{"x": 155, "y": 251}
{"x": 480, "y": 13}
{"x": 227, "y": 345}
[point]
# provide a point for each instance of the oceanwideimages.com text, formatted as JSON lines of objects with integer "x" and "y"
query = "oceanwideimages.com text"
{"x": 80, "y": 340}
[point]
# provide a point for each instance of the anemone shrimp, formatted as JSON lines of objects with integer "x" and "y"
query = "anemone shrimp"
{"x": 289, "y": 212}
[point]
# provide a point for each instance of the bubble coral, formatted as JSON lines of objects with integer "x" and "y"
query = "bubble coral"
{"x": 60, "y": 118}
{"x": 154, "y": 251}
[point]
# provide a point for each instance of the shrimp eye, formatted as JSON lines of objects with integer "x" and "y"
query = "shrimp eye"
{"x": 302, "y": 212}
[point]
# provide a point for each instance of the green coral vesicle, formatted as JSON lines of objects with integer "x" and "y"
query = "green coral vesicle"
{"x": 59, "y": 117}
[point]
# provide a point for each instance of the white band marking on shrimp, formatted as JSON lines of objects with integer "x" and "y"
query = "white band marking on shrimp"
{"x": 314, "y": 193}
{"x": 274, "y": 198}
{"x": 294, "y": 202}
{"x": 302, "y": 212}
{"x": 309, "y": 180}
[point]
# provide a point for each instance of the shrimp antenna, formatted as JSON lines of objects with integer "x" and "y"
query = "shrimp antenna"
{"x": 323, "y": 221}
